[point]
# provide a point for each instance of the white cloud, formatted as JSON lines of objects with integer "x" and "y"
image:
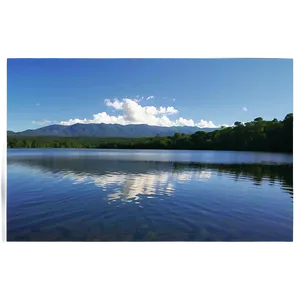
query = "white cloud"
{"x": 206, "y": 124}
{"x": 46, "y": 122}
{"x": 116, "y": 104}
{"x": 245, "y": 108}
{"x": 150, "y": 97}
{"x": 170, "y": 110}
{"x": 184, "y": 122}
{"x": 135, "y": 113}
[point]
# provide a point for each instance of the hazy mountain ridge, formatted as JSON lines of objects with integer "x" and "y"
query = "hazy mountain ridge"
{"x": 108, "y": 130}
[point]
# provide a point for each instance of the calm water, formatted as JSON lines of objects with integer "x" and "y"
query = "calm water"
{"x": 148, "y": 195}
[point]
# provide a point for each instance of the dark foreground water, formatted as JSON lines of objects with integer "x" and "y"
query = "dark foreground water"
{"x": 132, "y": 195}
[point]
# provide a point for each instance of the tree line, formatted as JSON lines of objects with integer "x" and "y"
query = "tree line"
{"x": 257, "y": 135}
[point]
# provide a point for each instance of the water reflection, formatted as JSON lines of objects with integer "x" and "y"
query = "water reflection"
{"x": 80, "y": 198}
{"x": 126, "y": 184}
{"x": 128, "y": 180}
{"x": 199, "y": 156}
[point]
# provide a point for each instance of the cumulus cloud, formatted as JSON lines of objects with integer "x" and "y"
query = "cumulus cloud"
{"x": 43, "y": 123}
{"x": 245, "y": 108}
{"x": 116, "y": 104}
{"x": 135, "y": 113}
{"x": 184, "y": 122}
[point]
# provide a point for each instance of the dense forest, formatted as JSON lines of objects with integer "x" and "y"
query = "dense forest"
{"x": 258, "y": 135}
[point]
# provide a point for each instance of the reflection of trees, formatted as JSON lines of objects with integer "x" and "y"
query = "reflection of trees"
{"x": 92, "y": 165}
{"x": 144, "y": 177}
{"x": 255, "y": 172}
{"x": 124, "y": 180}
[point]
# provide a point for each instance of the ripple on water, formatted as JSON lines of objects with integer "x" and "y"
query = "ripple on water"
{"x": 146, "y": 201}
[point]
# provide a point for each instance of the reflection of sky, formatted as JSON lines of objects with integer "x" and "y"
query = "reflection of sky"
{"x": 129, "y": 187}
{"x": 118, "y": 197}
{"x": 136, "y": 182}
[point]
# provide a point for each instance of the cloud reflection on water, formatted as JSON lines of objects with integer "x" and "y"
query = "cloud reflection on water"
{"x": 128, "y": 180}
{"x": 45, "y": 205}
{"x": 129, "y": 187}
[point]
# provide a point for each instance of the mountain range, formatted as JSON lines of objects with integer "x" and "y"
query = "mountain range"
{"x": 107, "y": 130}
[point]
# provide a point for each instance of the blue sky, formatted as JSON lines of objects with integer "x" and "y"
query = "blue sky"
{"x": 200, "y": 92}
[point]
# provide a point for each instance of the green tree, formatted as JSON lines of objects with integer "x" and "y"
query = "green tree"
{"x": 259, "y": 119}
{"x": 258, "y": 135}
{"x": 237, "y": 123}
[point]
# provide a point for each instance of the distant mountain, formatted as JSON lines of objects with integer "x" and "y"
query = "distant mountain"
{"x": 9, "y": 132}
{"x": 108, "y": 130}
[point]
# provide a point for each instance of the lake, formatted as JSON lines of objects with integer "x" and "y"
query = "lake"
{"x": 148, "y": 195}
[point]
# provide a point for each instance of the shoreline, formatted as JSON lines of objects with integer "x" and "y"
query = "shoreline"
{"x": 144, "y": 149}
